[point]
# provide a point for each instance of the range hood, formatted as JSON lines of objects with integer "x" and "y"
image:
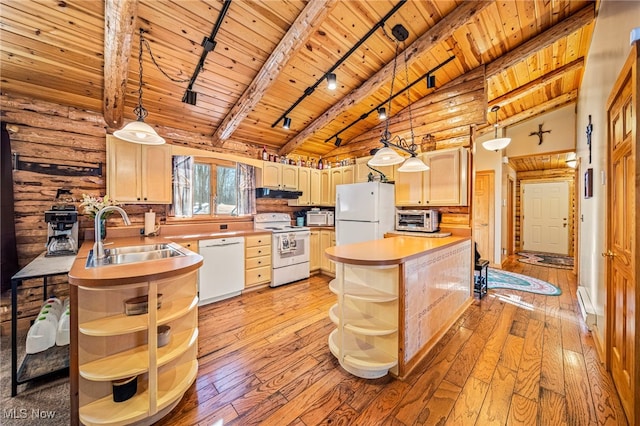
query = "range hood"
{"x": 277, "y": 193}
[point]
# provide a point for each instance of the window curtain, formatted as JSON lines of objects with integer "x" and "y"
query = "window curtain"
{"x": 246, "y": 189}
{"x": 182, "y": 185}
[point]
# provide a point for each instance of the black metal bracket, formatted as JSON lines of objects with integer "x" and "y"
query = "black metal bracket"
{"x": 55, "y": 169}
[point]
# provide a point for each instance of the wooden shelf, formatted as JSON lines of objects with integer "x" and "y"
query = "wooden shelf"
{"x": 361, "y": 358}
{"x": 136, "y": 361}
{"x": 360, "y": 323}
{"x": 172, "y": 384}
{"x": 362, "y": 292}
{"x": 122, "y": 324}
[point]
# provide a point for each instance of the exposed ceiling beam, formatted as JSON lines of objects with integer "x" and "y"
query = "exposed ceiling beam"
{"x": 119, "y": 22}
{"x": 573, "y": 23}
{"x": 306, "y": 22}
{"x": 440, "y": 31}
{"x": 543, "y": 108}
{"x": 536, "y": 84}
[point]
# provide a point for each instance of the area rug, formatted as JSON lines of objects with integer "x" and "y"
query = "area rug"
{"x": 504, "y": 279}
{"x": 546, "y": 259}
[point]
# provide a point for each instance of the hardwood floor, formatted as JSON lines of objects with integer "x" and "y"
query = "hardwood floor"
{"x": 512, "y": 358}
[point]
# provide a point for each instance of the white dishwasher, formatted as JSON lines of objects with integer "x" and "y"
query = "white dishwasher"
{"x": 222, "y": 273}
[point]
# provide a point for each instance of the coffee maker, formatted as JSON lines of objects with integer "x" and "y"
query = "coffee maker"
{"x": 62, "y": 230}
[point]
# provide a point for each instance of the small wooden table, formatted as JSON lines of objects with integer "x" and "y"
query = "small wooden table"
{"x": 480, "y": 280}
{"x": 41, "y": 267}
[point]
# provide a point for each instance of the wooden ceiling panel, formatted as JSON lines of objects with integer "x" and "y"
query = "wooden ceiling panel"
{"x": 56, "y": 49}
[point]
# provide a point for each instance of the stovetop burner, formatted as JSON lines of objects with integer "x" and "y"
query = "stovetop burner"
{"x": 276, "y": 222}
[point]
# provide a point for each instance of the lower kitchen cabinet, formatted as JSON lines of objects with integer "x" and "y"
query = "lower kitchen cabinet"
{"x": 113, "y": 346}
{"x": 191, "y": 245}
{"x": 257, "y": 260}
{"x": 314, "y": 248}
{"x": 327, "y": 239}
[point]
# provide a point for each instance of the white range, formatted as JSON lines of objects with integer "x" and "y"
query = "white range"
{"x": 289, "y": 250}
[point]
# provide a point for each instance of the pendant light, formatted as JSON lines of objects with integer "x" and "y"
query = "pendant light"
{"x": 138, "y": 131}
{"x": 388, "y": 156}
{"x": 496, "y": 143}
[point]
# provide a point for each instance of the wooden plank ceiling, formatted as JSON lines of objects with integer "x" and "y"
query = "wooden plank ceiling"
{"x": 268, "y": 52}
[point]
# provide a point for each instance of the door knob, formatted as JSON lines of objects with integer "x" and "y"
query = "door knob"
{"x": 608, "y": 254}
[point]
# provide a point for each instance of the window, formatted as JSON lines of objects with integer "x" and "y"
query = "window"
{"x": 207, "y": 187}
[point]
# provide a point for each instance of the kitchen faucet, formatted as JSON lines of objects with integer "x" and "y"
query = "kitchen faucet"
{"x": 98, "y": 247}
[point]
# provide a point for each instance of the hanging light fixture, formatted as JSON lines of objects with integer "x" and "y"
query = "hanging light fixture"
{"x": 338, "y": 141}
{"x": 387, "y": 155}
{"x": 287, "y": 123}
{"x": 138, "y": 131}
{"x": 382, "y": 113}
{"x": 332, "y": 82}
{"x": 496, "y": 143}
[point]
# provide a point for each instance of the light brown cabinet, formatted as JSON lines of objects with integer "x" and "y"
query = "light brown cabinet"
{"x": 327, "y": 239}
{"x": 444, "y": 184}
{"x": 138, "y": 174}
{"x": 309, "y": 184}
{"x": 314, "y": 248}
{"x": 113, "y": 346}
{"x": 257, "y": 260}
{"x": 279, "y": 176}
{"x": 362, "y": 170}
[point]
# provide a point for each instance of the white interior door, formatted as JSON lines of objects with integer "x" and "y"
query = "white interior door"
{"x": 546, "y": 217}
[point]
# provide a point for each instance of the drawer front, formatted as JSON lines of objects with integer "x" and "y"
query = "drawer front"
{"x": 257, "y": 276}
{"x": 257, "y": 262}
{"x": 257, "y": 240}
{"x": 258, "y": 251}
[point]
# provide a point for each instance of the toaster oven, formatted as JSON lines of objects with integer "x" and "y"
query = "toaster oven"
{"x": 417, "y": 220}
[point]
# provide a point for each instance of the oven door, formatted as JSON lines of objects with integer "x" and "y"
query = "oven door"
{"x": 290, "y": 248}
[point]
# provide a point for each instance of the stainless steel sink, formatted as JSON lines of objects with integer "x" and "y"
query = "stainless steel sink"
{"x": 133, "y": 254}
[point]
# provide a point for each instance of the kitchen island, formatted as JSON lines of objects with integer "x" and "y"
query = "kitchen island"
{"x": 396, "y": 298}
{"x": 107, "y": 345}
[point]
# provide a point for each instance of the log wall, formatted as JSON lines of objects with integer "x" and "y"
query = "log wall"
{"x": 47, "y": 134}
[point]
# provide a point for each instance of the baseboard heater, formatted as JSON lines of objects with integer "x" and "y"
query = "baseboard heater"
{"x": 586, "y": 308}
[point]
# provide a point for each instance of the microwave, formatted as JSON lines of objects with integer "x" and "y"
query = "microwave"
{"x": 417, "y": 220}
{"x": 320, "y": 218}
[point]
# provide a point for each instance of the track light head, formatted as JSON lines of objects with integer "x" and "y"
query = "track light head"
{"x": 382, "y": 113}
{"x": 332, "y": 81}
{"x": 431, "y": 81}
{"x": 338, "y": 141}
{"x": 190, "y": 97}
{"x": 287, "y": 123}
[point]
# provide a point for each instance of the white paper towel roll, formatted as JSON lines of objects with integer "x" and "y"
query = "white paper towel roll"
{"x": 149, "y": 222}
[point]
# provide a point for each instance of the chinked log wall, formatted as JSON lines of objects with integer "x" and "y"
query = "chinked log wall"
{"x": 46, "y": 133}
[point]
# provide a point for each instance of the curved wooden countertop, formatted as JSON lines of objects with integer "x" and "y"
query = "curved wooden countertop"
{"x": 132, "y": 272}
{"x": 388, "y": 251}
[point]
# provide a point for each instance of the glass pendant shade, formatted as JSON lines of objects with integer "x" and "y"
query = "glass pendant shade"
{"x": 139, "y": 132}
{"x": 496, "y": 144}
{"x": 385, "y": 157}
{"x": 413, "y": 164}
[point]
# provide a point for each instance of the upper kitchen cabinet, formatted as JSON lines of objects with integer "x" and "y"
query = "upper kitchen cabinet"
{"x": 362, "y": 170}
{"x": 444, "y": 184}
{"x": 138, "y": 173}
{"x": 337, "y": 176}
{"x": 309, "y": 185}
{"x": 279, "y": 176}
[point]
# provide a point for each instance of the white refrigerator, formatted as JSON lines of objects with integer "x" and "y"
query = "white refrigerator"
{"x": 364, "y": 212}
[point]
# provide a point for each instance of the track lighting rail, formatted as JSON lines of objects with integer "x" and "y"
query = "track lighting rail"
{"x": 309, "y": 90}
{"x": 208, "y": 44}
{"x": 426, "y": 75}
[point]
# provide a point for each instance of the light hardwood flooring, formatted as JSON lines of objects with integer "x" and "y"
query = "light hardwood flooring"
{"x": 512, "y": 358}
